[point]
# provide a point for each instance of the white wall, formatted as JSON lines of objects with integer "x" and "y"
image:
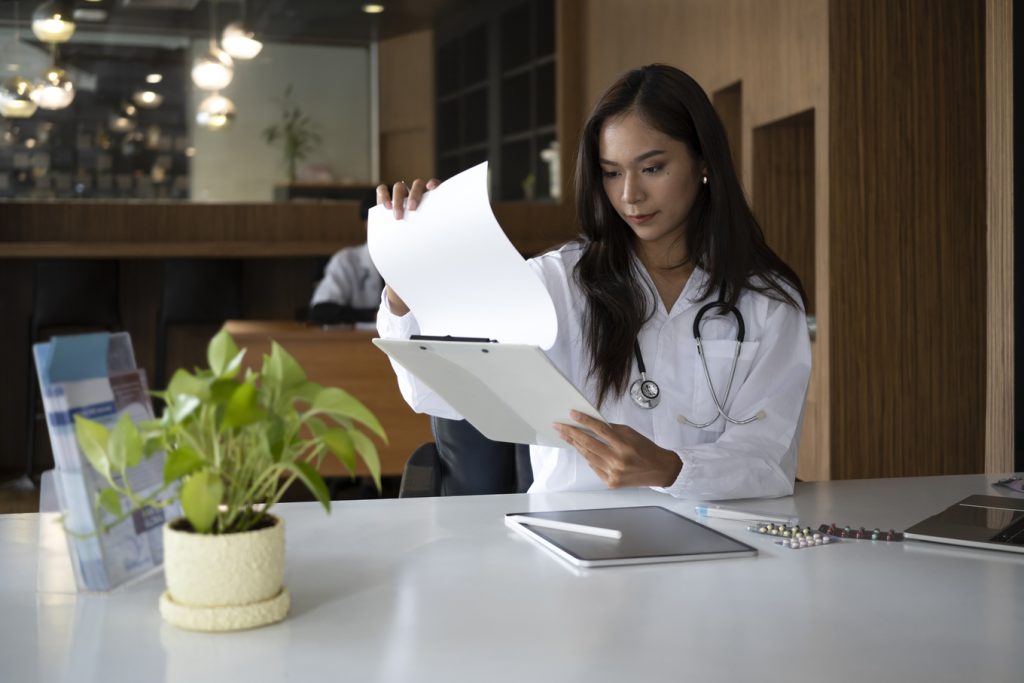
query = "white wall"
{"x": 330, "y": 84}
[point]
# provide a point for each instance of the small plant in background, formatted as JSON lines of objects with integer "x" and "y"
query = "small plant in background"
{"x": 296, "y": 132}
{"x": 234, "y": 445}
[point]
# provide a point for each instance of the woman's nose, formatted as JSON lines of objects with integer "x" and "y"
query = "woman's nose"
{"x": 632, "y": 192}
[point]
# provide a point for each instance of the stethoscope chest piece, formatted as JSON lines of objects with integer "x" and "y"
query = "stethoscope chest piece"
{"x": 645, "y": 393}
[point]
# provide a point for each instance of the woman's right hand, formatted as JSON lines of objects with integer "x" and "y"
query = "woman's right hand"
{"x": 396, "y": 201}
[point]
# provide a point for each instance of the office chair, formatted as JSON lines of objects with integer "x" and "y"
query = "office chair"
{"x": 195, "y": 292}
{"x": 68, "y": 296}
{"x": 462, "y": 462}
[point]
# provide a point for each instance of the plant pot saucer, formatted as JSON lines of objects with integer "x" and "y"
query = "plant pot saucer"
{"x": 230, "y": 618}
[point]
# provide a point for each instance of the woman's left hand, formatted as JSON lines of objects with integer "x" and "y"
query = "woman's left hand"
{"x": 625, "y": 458}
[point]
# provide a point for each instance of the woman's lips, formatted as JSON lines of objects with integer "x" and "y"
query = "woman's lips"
{"x": 641, "y": 218}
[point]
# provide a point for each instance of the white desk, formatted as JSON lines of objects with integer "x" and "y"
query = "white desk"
{"x": 440, "y": 590}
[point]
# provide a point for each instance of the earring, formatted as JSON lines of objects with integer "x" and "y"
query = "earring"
{"x": 704, "y": 179}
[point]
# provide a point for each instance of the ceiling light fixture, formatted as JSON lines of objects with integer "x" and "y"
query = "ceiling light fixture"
{"x": 56, "y": 92}
{"x": 51, "y": 22}
{"x": 147, "y": 99}
{"x": 214, "y": 70}
{"x": 154, "y": 78}
{"x": 15, "y": 92}
{"x": 15, "y": 98}
{"x": 373, "y": 8}
{"x": 239, "y": 42}
{"x": 216, "y": 112}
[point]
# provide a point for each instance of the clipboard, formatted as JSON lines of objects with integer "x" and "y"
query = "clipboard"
{"x": 509, "y": 392}
{"x": 649, "y": 534}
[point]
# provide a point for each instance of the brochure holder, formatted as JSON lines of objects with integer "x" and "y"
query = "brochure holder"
{"x": 95, "y": 375}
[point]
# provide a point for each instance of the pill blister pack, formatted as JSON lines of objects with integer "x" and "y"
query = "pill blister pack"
{"x": 793, "y": 537}
{"x": 861, "y": 533}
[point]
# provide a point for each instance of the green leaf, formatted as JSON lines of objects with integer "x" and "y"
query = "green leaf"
{"x": 313, "y": 481}
{"x": 200, "y": 497}
{"x": 125, "y": 445}
{"x": 368, "y": 452}
{"x": 242, "y": 408}
{"x": 92, "y": 438}
{"x": 182, "y": 408}
{"x": 221, "y": 391}
{"x": 222, "y": 353}
{"x": 283, "y": 369}
{"x": 181, "y": 462}
{"x": 341, "y": 404}
{"x": 110, "y": 501}
{"x": 306, "y": 392}
{"x": 183, "y": 383}
{"x": 339, "y": 443}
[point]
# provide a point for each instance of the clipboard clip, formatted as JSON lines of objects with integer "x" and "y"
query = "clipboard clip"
{"x": 448, "y": 337}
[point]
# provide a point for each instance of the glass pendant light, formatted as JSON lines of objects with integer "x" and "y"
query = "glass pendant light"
{"x": 52, "y": 23}
{"x": 15, "y": 98}
{"x": 216, "y": 112}
{"x": 15, "y": 92}
{"x": 56, "y": 90}
{"x": 239, "y": 42}
{"x": 147, "y": 98}
{"x": 213, "y": 71}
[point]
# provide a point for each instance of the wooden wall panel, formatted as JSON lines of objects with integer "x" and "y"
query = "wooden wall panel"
{"x": 729, "y": 105}
{"x": 999, "y": 402}
{"x": 784, "y": 193}
{"x": 907, "y": 219}
{"x": 406, "y": 107}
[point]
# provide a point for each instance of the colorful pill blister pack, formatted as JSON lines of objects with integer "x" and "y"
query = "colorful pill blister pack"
{"x": 796, "y": 537}
{"x": 792, "y": 536}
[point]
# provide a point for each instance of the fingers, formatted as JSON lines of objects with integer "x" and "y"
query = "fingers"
{"x": 383, "y": 196}
{"x": 404, "y": 197}
{"x": 398, "y": 196}
{"x": 600, "y": 428}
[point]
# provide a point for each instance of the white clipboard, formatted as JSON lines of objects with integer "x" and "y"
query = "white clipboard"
{"x": 509, "y": 392}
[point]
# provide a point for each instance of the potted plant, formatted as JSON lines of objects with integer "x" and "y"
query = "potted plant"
{"x": 233, "y": 445}
{"x": 296, "y": 131}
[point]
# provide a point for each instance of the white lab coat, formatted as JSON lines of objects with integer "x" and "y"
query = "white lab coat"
{"x": 720, "y": 461}
{"x": 350, "y": 279}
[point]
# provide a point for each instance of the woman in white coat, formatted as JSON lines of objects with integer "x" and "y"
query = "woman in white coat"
{"x": 666, "y": 231}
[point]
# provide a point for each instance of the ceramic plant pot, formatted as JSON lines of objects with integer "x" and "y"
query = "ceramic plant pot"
{"x": 224, "y": 582}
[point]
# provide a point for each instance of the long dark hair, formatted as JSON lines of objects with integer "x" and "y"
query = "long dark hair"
{"x": 722, "y": 236}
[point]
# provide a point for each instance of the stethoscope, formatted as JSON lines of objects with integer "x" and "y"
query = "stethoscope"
{"x": 646, "y": 393}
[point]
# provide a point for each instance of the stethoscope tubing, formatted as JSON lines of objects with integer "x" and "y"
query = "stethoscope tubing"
{"x": 719, "y": 403}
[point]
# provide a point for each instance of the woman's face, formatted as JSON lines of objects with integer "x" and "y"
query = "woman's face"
{"x": 651, "y": 179}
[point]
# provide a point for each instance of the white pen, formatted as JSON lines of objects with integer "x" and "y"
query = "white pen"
{"x": 565, "y": 526}
{"x": 723, "y": 512}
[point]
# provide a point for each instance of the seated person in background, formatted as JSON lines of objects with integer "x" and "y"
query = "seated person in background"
{"x": 351, "y": 288}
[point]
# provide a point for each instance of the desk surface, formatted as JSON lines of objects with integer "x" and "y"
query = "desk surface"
{"x": 440, "y": 590}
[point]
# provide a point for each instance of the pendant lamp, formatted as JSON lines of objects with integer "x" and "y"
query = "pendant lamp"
{"x": 216, "y": 112}
{"x": 56, "y": 90}
{"x": 52, "y": 23}
{"x": 15, "y": 98}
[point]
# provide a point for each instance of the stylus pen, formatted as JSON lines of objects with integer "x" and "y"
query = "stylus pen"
{"x": 566, "y": 526}
{"x": 723, "y": 512}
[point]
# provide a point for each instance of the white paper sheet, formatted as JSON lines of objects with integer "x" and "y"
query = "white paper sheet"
{"x": 456, "y": 270}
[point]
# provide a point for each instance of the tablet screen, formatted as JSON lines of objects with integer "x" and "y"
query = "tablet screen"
{"x": 649, "y": 534}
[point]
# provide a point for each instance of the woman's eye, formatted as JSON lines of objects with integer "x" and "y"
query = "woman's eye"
{"x": 610, "y": 174}
{"x": 652, "y": 169}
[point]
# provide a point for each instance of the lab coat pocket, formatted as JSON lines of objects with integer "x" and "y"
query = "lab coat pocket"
{"x": 719, "y": 355}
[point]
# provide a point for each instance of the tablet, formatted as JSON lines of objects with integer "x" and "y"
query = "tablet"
{"x": 649, "y": 534}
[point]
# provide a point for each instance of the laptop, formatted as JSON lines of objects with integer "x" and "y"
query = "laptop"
{"x": 988, "y": 522}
